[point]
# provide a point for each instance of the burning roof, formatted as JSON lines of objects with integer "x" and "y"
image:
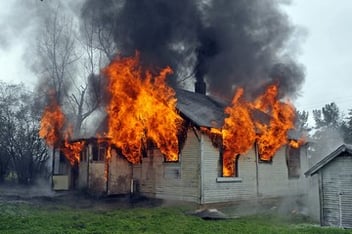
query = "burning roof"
{"x": 202, "y": 110}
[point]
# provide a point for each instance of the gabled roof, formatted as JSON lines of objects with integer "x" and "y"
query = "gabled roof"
{"x": 314, "y": 169}
{"x": 200, "y": 109}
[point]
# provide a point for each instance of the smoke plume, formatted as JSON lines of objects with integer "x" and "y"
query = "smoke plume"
{"x": 226, "y": 43}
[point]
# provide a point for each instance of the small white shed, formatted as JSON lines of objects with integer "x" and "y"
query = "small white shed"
{"x": 335, "y": 187}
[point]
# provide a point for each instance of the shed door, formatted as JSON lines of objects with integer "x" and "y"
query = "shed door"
{"x": 345, "y": 181}
{"x": 346, "y": 210}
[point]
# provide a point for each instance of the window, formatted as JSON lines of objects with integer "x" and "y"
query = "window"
{"x": 229, "y": 168}
{"x": 99, "y": 153}
{"x": 172, "y": 172}
{"x": 229, "y": 164}
{"x": 293, "y": 161}
{"x": 62, "y": 167}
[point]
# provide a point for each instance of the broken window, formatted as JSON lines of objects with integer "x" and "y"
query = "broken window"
{"x": 293, "y": 161}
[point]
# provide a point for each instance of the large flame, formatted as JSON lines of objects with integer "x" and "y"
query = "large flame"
{"x": 241, "y": 131}
{"x": 141, "y": 107}
{"x": 51, "y": 124}
{"x": 57, "y": 133}
{"x": 282, "y": 116}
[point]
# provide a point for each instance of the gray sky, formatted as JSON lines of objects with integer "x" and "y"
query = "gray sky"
{"x": 325, "y": 52}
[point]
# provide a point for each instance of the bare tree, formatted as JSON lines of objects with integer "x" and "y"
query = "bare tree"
{"x": 68, "y": 61}
{"x": 20, "y": 141}
{"x": 57, "y": 52}
{"x": 87, "y": 97}
{"x": 6, "y": 100}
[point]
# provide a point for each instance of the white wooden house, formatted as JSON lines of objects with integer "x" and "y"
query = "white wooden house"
{"x": 334, "y": 173}
{"x": 197, "y": 175}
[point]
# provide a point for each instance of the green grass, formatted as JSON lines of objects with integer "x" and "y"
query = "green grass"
{"x": 22, "y": 217}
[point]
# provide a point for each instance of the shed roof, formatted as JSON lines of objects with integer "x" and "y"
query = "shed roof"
{"x": 327, "y": 159}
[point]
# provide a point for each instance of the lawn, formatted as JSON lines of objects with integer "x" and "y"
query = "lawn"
{"x": 28, "y": 217}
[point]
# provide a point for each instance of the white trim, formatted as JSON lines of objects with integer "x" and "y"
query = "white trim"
{"x": 228, "y": 179}
{"x": 201, "y": 169}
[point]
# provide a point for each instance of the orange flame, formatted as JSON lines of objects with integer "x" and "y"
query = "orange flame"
{"x": 51, "y": 124}
{"x": 241, "y": 130}
{"x": 274, "y": 135}
{"x": 141, "y": 107}
{"x": 72, "y": 151}
{"x": 107, "y": 162}
{"x": 54, "y": 130}
{"x": 297, "y": 143}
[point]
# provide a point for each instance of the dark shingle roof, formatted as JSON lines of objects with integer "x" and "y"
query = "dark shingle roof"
{"x": 200, "y": 109}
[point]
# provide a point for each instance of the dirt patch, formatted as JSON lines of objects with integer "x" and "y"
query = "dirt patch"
{"x": 44, "y": 196}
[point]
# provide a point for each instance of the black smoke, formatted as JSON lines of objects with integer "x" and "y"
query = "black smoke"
{"x": 227, "y": 43}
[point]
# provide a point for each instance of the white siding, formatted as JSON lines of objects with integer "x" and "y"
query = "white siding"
{"x": 337, "y": 192}
{"x": 176, "y": 181}
{"x": 273, "y": 177}
{"x": 263, "y": 180}
{"x": 224, "y": 192}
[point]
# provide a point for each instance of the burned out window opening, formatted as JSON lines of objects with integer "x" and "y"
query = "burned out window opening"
{"x": 172, "y": 161}
{"x": 293, "y": 161}
{"x": 229, "y": 172}
{"x": 228, "y": 164}
{"x": 260, "y": 157}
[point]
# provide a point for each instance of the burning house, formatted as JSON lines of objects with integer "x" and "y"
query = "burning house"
{"x": 184, "y": 145}
{"x": 166, "y": 142}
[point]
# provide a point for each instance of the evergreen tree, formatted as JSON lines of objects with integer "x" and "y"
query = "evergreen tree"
{"x": 328, "y": 132}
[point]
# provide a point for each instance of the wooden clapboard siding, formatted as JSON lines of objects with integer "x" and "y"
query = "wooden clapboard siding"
{"x": 256, "y": 179}
{"x": 97, "y": 183}
{"x": 171, "y": 180}
{"x": 273, "y": 178}
{"x": 214, "y": 191}
{"x": 336, "y": 189}
{"x": 120, "y": 175}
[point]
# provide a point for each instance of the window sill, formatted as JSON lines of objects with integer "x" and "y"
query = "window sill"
{"x": 172, "y": 164}
{"x": 228, "y": 179}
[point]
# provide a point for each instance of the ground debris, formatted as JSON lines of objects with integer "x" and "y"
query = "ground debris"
{"x": 209, "y": 214}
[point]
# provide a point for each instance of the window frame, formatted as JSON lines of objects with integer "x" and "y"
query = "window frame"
{"x": 293, "y": 164}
